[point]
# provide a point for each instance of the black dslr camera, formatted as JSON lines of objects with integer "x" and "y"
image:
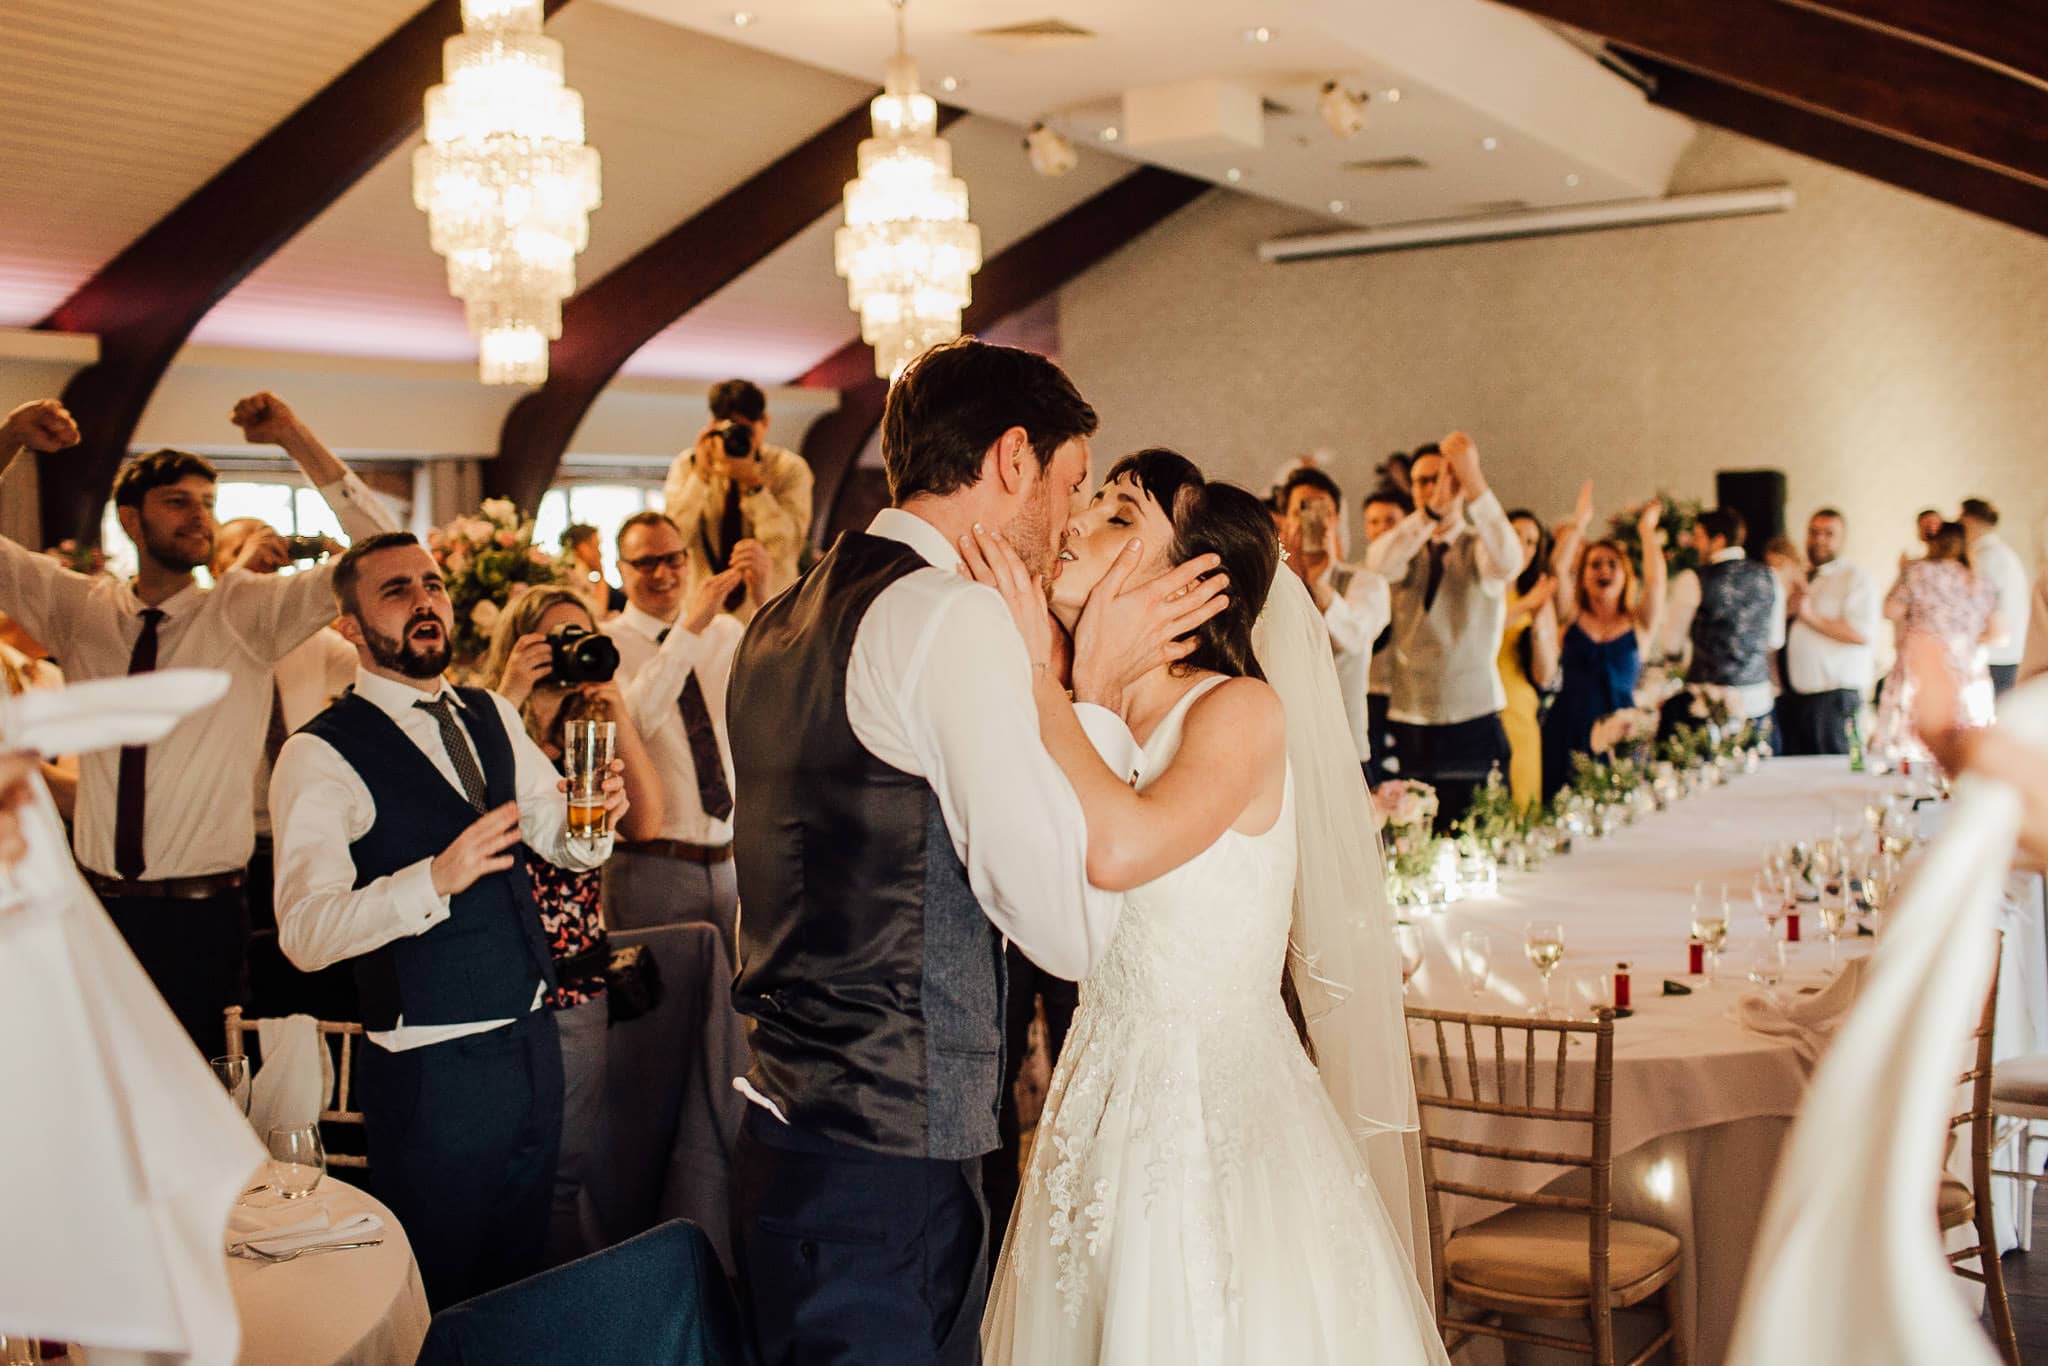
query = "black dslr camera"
{"x": 577, "y": 654}
{"x": 738, "y": 440}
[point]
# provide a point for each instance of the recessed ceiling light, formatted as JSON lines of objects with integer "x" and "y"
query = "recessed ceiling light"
{"x": 1261, "y": 34}
{"x": 1110, "y": 134}
{"x": 742, "y": 18}
{"x": 1488, "y": 144}
{"x": 949, "y": 83}
{"x": 1338, "y": 206}
{"x": 1233, "y": 175}
{"x": 1571, "y": 182}
{"x": 1393, "y": 96}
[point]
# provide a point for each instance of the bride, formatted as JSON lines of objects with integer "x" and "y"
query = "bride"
{"x": 1197, "y": 1191}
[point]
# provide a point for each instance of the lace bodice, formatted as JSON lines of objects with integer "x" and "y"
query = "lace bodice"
{"x": 1209, "y": 937}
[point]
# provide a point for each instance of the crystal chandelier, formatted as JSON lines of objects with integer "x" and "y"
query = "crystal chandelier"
{"x": 907, "y": 250}
{"x": 507, "y": 184}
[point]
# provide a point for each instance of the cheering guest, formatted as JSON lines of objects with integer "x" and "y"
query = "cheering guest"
{"x": 165, "y": 831}
{"x": 522, "y": 661}
{"x": 675, "y": 651}
{"x": 1926, "y": 524}
{"x": 1943, "y": 599}
{"x": 1727, "y": 616}
{"x": 400, "y": 811}
{"x": 1999, "y": 565}
{"x": 1450, "y": 563}
{"x": 1383, "y": 511}
{"x": 1609, "y": 622}
{"x": 1528, "y": 657}
{"x": 1353, "y": 600}
{"x": 739, "y": 502}
{"x": 1829, "y": 646}
{"x": 583, "y": 561}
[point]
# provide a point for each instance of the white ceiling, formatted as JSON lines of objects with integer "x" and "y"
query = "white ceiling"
{"x": 119, "y": 109}
{"x": 1446, "y": 77}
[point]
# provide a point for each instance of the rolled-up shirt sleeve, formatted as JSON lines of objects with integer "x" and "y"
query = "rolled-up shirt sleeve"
{"x": 1389, "y": 555}
{"x": 1500, "y": 550}
{"x": 947, "y": 694}
{"x": 1358, "y": 614}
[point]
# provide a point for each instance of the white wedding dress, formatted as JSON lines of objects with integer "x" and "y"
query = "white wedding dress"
{"x": 1193, "y": 1197}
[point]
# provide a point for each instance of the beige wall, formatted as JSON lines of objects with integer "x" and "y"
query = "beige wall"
{"x": 1886, "y": 351}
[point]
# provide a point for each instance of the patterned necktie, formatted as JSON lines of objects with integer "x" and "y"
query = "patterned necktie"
{"x": 129, "y": 859}
{"x": 712, "y": 793}
{"x": 1437, "y": 551}
{"x": 442, "y": 709}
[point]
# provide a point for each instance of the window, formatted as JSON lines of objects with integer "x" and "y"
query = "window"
{"x": 604, "y": 506}
{"x": 293, "y": 508}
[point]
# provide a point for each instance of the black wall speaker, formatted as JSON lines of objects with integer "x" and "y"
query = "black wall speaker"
{"x": 1759, "y": 495}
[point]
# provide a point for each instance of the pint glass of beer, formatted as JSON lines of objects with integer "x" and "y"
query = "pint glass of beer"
{"x": 587, "y": 748}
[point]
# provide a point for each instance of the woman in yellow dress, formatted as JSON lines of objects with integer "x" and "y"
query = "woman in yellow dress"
{"x": 1528, "y": 657}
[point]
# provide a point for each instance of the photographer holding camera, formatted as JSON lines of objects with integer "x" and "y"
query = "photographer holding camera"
{"x": 739, "y": 502}
{"x": 1352, "y": 599}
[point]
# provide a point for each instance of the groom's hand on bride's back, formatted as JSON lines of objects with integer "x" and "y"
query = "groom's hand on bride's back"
{"x": 1127, "y": 630}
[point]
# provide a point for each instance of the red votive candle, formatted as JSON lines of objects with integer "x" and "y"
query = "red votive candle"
{"x": 1695, "y": 957}
{"x": 1621, "y": 986}
{"x": 1792, "y": 927}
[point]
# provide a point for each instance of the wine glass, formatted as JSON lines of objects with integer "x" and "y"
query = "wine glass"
{"x": 1768, "y": 894}
{"x": 1543, "y": 941}
{"x": 297, "y": 1160}
{"x": 1767, "y": 967}
{"x": 1408, "y": 938}
{"x": 1475, "y": 961}
{"x": 1834, "y": 918}
{"x": 1710, "y": 927}
{"x": 233, "y": 1073}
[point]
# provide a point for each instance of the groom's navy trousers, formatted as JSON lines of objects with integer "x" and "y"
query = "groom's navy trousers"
{"x": 849, "y": 1256}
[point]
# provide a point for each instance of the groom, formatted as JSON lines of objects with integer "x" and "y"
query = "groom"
{"x": 897, "y": 818}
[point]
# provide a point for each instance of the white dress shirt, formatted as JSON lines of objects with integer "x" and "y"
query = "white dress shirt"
{"x": 939, "y": 686}
{"x": 1838, "y": 591}
{"x": 316, "y": 672}
{"x": 1499, "y": 558}
{"x": 652, "y": 673}
{"x": 2000, "y": 565}
{"x": 1355, "y": 618}
{"x": 1674, "y": 639}
{"x": 321, "y": 806}
{"x": 197, "y": 815}
{"x": 777, "y": 514}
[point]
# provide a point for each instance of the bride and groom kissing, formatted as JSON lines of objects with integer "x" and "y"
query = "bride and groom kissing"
{"x": 1131, "y": 760}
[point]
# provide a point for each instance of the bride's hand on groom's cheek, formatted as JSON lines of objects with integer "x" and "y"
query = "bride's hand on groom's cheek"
{"x": 1127, "y": 631}
{"x": 987, "y": 558}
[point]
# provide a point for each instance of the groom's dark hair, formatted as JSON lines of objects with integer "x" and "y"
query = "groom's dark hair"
{"x": 954, "y": 401}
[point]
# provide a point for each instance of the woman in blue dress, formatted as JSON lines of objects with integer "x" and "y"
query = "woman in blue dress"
{"x": 1608, "y": 623}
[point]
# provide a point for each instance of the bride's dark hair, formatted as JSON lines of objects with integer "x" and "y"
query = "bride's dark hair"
{"x": 1212, "y": 517}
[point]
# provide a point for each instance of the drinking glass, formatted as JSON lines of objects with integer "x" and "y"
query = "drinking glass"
{"x": 1408, "y": 938}
{"x": 1834, "y": 918}
{"x": 587, "y": 748}
{"x": 1710, "y": 927}
{"x": 18, "y": 1351}
{"x": 1768, "y": 894}
{"x": 297, "y": 1160}
{"x": 1767, "y": 967}
{"x": 1475, "y": 961}
{"x": 233, "y": 1073}
{"x": 1543, "y": 941}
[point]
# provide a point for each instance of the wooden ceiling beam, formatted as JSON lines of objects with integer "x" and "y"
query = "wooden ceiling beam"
{"x": 2009, "y": 38}
{"x": 145, "y": 302}
{"x": 609, "y": 320}
{"x": 1922, "y": 95}
{"x": 1014, "y": 279}
{"x": 1959, "y": 183}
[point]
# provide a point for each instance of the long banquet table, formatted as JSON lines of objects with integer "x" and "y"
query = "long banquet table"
{"x": 1702, "y": 1103}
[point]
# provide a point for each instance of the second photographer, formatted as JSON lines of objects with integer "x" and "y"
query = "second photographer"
{"x": 739, "y": 502}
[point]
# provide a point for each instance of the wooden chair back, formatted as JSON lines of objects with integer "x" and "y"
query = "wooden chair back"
{"x": 1497, "y": 1088}
{"x": 339, "y": 1038}
{"x": 1984, "y": 1250}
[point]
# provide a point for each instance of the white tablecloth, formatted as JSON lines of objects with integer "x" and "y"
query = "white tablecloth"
{"x": 359, "y": 1307}
{"x": 1701, "y": 1104}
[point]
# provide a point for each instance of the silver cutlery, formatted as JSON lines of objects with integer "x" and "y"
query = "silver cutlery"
{"x": 254, "y": 1253}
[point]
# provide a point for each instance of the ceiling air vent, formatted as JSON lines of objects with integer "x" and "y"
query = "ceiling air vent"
{"x": 1384, "y": 165}
{"x": 1036, "y": 35}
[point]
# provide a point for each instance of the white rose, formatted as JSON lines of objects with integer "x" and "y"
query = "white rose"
{"x": 484, "y": 616}
{"x": 503, "y": 511}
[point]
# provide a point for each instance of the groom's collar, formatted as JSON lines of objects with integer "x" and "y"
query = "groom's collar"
{"x": 907, "y": 528}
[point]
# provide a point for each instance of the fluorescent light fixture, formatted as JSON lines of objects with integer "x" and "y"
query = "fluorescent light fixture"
{"x": 1530, "y": 223}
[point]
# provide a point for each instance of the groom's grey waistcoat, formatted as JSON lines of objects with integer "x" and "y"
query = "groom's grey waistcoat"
{"x": 872, "y": 981}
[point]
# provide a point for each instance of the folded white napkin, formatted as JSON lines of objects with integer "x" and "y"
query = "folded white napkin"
{"x": 1807, "y": 1022}
{"x": 249, "y": 1228}
{"x": 291, "y": 1087}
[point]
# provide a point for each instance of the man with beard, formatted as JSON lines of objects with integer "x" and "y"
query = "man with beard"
{"x": 398, "y": 814}
{"x": 1830, "y": 652}
{"x": 164, "y": 832}
{"x": 897, "y": 817}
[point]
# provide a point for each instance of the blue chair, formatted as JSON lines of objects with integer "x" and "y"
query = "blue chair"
{"x": 659, "y": 1299}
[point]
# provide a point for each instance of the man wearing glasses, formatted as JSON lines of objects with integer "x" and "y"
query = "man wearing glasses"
{"x": 675, "y": 652}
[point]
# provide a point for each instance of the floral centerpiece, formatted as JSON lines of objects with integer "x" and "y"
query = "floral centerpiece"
{"x": 79, "y": 559}
{"x": 1492, "y": 823}
{"x": 1406, "y": 812}
{"x": 1627, "y": 733}
{"x": 487, "y": 561}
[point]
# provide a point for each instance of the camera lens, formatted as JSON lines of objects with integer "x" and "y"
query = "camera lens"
{"x": 579, "y": 655}
{"x": 738, "y": 439}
